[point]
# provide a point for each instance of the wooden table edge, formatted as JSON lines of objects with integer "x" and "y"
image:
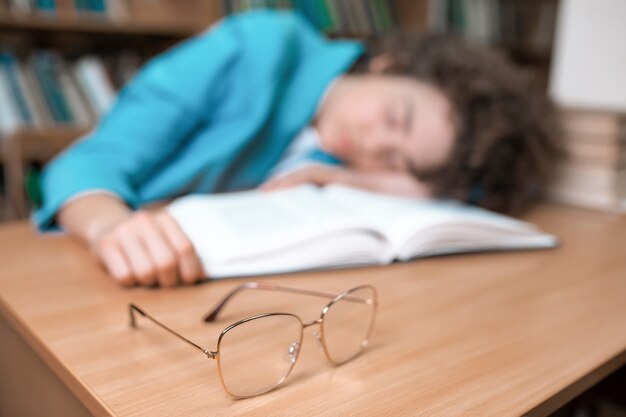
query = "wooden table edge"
{"x": 582, "y": 384}
{"x": 82, "y": 392}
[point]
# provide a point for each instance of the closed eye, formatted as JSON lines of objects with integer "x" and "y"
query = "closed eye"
{"x": 409, "y": 116}
{"x": 394, "y": 115}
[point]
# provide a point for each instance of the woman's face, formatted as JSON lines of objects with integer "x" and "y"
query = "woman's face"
{"x": 384, "y": 122}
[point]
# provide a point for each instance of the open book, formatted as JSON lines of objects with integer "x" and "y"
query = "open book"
{"x": 308, "y": 227}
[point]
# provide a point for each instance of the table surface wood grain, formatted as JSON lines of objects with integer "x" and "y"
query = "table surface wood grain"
{"x": 503, "y": 334}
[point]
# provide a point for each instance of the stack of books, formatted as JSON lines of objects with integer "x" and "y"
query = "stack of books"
{"x": 361, "y": 18}
{"x": 46, "y": 90}
{"x": 588, "y": 81}
{"x": 593, "y": 175}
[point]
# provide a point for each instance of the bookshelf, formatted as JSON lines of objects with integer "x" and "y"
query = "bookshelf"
{"x": 30, "y": 146}
{"x": 86, "y": 25}
{"x": 151, "y": 26}
{"x": 145, "y": 26}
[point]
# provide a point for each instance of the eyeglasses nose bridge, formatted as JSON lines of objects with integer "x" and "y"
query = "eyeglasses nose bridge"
{"x": 311, "y": 323}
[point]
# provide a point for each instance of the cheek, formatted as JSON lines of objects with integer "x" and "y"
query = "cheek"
{"x": 435, "y": 146}
{"x": 363, "y": 115}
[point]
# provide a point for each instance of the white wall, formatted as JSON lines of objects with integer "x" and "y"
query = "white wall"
{"x": 589, "y": 61}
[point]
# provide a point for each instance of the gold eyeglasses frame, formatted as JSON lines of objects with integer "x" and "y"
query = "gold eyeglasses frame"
{"x": 211, "y": 316}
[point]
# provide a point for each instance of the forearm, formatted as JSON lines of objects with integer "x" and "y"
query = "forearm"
{"x": 396, "y": 183}
{"x": 401, "y": 184}
{"x": 88, "y": 217}
{"x": 144, "y": 247}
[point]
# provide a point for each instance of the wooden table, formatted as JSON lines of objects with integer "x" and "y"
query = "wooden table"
{"x": 497, "y": 334}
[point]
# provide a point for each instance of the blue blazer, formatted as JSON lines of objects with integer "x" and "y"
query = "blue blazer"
{"x": 213, "y": 114}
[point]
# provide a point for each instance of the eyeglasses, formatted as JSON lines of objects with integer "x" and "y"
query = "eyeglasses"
{"x": 256, "y": 354}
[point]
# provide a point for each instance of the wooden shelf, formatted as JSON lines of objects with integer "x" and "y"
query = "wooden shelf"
{"x": 41, "y": 144}
{"x": 99, "y": 25}
{"x": 22, "y": 147}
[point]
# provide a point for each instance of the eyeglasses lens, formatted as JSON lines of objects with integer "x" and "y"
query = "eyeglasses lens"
{"x": 256, "y": 355}
{"x": 348, "y": 323}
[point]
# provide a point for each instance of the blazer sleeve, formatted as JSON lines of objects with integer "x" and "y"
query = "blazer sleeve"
{"x": 151, "y": 119}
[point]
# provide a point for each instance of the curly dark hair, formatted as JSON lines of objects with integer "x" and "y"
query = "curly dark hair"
{"x": 508, "y": 137}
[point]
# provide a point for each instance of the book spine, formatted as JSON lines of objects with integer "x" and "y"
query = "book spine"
{"x": 46, "y": 6}
{"x": 9, "y": 116}
{"x": 347, "y": 22}
{"x": 592, "y": 123}
{"x": 593, "y": 154}
{"x": 8, "y": 61}
{"x": 20, "y": 7}
{"x": 360, "y": 18}
{"x": 29, "y": 95}
{"x": 81, "y": 5}
{"x": 437, "y": 20}
{"x": 92, "y": 77}
{"x": 46, "y": 74}
{"x": 335, "y": 19}
{"x": 41, "y": 111}
{"x": 117, "y": 10}
{"x": 78, "y": 108}
{"x": 375, "y": 28}
{"x": 384, "y": 14}
{"x": 324, "y": 17}
{"x": 97, "y": 6}
{"x": 457, "y": 16}
{"x": 66, "y": 8}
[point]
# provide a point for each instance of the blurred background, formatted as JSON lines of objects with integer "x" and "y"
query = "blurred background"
{"x": 62, "y": 62}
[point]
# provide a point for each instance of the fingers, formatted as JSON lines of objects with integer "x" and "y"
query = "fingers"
{"x": 160, "y": 253}
{"x": 137, "y": 257}
{"x": 189, "y": 268}
{"x": 149, "y": 249}
{"x": 277, "y": 184}
{"x": 114, "y": 260}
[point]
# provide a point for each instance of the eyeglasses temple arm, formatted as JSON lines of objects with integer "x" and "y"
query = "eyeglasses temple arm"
{"x": 214, "y": 312}
{"x": 132, "y": 308}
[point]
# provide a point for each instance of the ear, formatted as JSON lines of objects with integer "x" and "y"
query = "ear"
{"x": 380, "y": 63}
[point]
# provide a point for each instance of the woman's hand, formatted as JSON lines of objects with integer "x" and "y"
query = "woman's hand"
{"x": 149, "y": 248}
{"x": 395, "y": 183}
{"x": 144, "y": 247}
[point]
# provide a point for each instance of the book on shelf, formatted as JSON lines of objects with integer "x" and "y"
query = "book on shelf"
{"x": 96, "y": 85}
{"x": 519, "y": 26}
{"x": 308, "y": 227}
{"x": 593, "y": 188}
{"x": 19, "y": 7}
{"x": 109, "y": 9}
{"x": 46, "y": 90}
{"x": 38, "y": 106}
{"x": 343, "y": 17}
{"x": 593, "y": 174}
{"x": 597, "y": 125}
{"x": 47, "y": 72}
{"x": 9, "y": 115}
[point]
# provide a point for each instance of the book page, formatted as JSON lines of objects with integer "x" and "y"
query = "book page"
{"x": 227, "y": 228}
{"x": 424, "y": 227}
